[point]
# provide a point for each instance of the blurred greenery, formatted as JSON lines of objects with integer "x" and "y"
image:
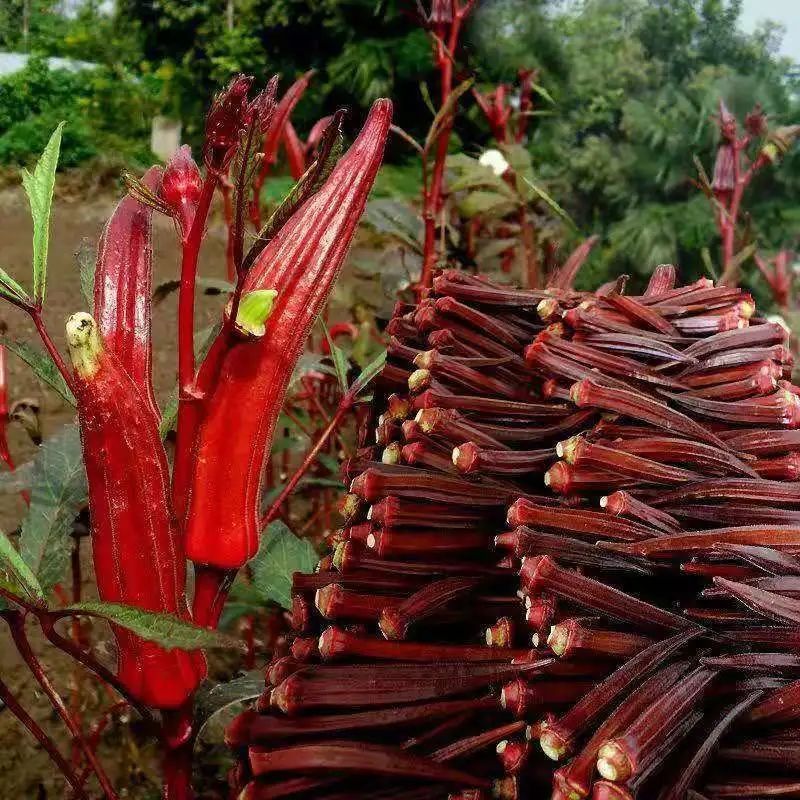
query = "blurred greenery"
{"x": 635, "y": 84}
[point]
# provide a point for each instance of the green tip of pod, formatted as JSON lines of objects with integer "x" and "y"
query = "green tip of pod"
{"x": 85, "y": 344}
{"x": 254, "y": 310}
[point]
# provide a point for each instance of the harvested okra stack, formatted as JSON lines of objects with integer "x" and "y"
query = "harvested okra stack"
{"x": 635, "y": 621}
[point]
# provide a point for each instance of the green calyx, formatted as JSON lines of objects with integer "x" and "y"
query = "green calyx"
{"x": 254, "y": 310}
{"x": 85, "y": 344}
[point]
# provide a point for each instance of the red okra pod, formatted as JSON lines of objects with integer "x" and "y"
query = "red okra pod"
{"x": 448, "y": 424}
{"x": 414, "y": 542}
{"x": 765, "y": 442}
{"x": 751, "y": 787}
{"x": 764, "y": 558}
{"x": 523, "y": 541}
{"x": 628, "y": 465}
{"x": 784, "y": 468}
{"x": 686, "y": 775}
{"x": 591, "y": 524}
{"x": 777, "y": 755}
{"x": 642, "y": 407}
{"x": 123, "y": 287}
{"x": 728, "y": 375}
{"x": 763, "y": 382}
{"x": 559, "y": 737}
{"x": 136, "y": 548}
{"x": 638, "y": 346}
{"x": 396, "y": 618}
{"x": 336, "y": 603}
{"x": 471, "y": 457}
{"x": 775, "y": 664}
{"x": 641, "y": 315}
{"x": 483, "y": 294}
{"x": 620, "y": 758}
{"x": 760, "y": 491}
{"x": 450, "y": 370}
{"x": 661, "y": 281}
{"x": 575, "y": 778}
{"x": 251, "y": 727}
{"x": 495, "y": 406}
{"x": 571, "y": 637}
{"x": 780, "y": 537}
{"x": 400, "y": 512}
{"x": 376, "y": 482}
{"x": 548, "y": 362}
{"x": 565, "y": 479}
{"x": 377, "y": 684}
{"x": 542, "y": 573}
{"x": 597, "y": 359}
{"x": 765, "y": 335}
{"x": 735, "y": 513}
{"x": 505, "y": 332}
{"x": 768, "y": 604}
{"x": 523, "y": 698}
{"x": 623, "y": 504}
{"x": 698, "y": 455}
{"x": 300, "y": 263}
{"x": 359, "y": 757}
{"x": 338, "y": 643}
{"x": 780, "y": 408}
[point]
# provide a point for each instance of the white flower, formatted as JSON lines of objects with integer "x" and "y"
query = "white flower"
{"x": 495, "y": 160}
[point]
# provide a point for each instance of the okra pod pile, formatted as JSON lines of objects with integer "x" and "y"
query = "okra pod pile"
{"x": 569, "y": 561}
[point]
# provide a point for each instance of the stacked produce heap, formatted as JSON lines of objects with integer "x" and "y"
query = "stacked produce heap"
{"x": 570, "y": 537}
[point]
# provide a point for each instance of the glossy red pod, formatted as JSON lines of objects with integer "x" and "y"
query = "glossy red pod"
{"x": 301, "y": 264}
{"x": 138, "y": 558}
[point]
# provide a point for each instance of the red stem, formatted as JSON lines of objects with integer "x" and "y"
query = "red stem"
{"x": 187, "y": 401}
{"x": 16, "y": 624}
{"x": 47, "y": 744}
{"x": 66, "y": 373}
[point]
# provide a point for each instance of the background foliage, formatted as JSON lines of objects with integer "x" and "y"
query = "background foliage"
{"x": 634, "y": 84}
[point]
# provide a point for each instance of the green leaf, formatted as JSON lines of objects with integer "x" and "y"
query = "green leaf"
{"x": 11, "y": 290}
{"x": 484, "y": 203}
{"x": 554, "y": 206}
{"x": 39, "y": 186}
{"x": 369, "y": 373}
{"x": 58, "y": 492}
{"x": 211, "y": 700}
{"x": 280, "y": 554}
{"x": 339, "y": 359}
{"x": 15, "y": 575}
{"x": 42, "y": 364}
{"x": 166, "y": 630}
{"x": 540, "y": 90}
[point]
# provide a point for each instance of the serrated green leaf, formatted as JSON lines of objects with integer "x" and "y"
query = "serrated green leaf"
{"x": 339, "y": 359}
{"x": 211, "y": 700}
{"x": 15, "y": 575}
{"x": 39, "y": 186}
{"x": 58, "y": 492}
{"x": 369, "y": 373}
{"x": 11, "y": 290}
{"x": 166, "y": 630}
{"x": 42, "y": 364}
{"x": 280, "y": 554}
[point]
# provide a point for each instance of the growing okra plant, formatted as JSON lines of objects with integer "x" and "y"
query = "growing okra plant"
{"x": 152, "y": 506}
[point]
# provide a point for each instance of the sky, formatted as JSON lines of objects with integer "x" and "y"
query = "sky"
{"x": 787, "y": 12}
